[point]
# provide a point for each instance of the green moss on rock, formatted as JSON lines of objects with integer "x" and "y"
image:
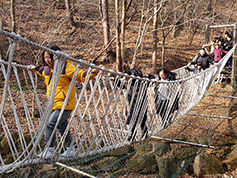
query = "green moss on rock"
{"x": 143, "y": 163}
{"x": 108, "y": 164}
{"x": 186, "y": 152}
{"x": 232, "y": 159}
{"x": 226, "y": 140}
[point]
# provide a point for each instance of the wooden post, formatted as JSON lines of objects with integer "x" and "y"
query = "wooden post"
{"x": 233, "y": 72}
{"x": 207, "y": 35}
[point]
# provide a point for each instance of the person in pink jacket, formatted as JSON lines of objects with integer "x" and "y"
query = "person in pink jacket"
{"x": 217, "y": 53}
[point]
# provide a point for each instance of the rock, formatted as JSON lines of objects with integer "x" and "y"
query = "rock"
{"x": 109, "y": 164}
{"x": 4, "y": 146}
{"x": 207, "y": 164}
{"x": 144, "y": 146}
{"x": 143, "y": 163}
{"x": 186, "y": 152}
{"x": 9, "y": 159}
{"x": 219, "y": 152}
{"x": 120, "y": 151}
{"x": 161, "y": 148}
{"x": 167, "y": 166}
{"x": 226, "y": 140}
{"x": 231, "y": 159}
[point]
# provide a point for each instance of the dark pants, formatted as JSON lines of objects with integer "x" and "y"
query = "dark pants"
{"x": 142, "y": 125}
{"x": 163, "y": 110}
{"x": 62, "y": 125}
{"x": 229, "y": 62}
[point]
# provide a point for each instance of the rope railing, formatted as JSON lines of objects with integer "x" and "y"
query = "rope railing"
{"x": 99, "y": 121}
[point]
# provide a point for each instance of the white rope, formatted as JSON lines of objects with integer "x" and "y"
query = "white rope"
{"x": 98, "y": 122}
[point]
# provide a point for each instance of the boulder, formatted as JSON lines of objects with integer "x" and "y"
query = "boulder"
{"x": 207, "y": 164}
{"x": 108, "y": 164}
{"x": 143, "y": 163}
{"x": 4, "y": 149}
{"x": 168, "y": 167}
{"x": 121, "y": 151}
{"x": 161, "y": 148}
{"x": 231, "y": 159}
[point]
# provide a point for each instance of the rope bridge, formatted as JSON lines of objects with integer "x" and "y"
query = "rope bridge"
{"x": 98, "y": 123}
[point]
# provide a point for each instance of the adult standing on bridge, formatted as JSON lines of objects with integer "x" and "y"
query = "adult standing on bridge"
{"x": 228, "y": 45}
{"x": 203, "y": 58}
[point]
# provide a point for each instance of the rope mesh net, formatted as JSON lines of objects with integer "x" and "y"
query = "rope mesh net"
{"x": 98, "y": 123}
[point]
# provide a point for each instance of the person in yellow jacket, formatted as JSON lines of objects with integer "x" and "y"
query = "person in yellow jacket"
{"x": 46, "y": 71}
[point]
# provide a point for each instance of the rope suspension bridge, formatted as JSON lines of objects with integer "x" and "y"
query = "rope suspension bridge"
{"x": 98, "y": 123}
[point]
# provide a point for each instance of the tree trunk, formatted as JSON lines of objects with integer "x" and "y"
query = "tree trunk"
{"x": 105, "y": 22}
{"x": 100, "y": 8}
{"x": 154, "y": 48}
{"x": 163, "y": 50}
{"x": 13, "y": 16}
{"x": 1, "y": 26}
{"x": 123, "y": 29}
{"x": 70, "y": 16}
{"x": 68, "y": 12}
{"x": 119, "y": 64}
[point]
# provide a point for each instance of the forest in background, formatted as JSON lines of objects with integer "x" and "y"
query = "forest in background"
{"x": 151, "y": 34}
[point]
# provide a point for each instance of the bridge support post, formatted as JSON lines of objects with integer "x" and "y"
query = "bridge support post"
{"x": 207, "y": 35}
{"x": 233, "y": 72}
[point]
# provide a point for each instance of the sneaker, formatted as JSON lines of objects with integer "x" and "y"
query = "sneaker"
{"x": 69, "y": 152}
{"x": 127, "y": 126}
{"x": 47, "y": 154}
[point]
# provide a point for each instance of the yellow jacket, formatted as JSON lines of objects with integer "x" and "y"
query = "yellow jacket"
{"x": 64, "y": 83}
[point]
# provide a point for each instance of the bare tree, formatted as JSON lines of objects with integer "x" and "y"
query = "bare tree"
{"x": 143, "y": 25}
{"x": 123, "y": 24}
{"x": 213, "y": 14}
{"x": 231, "y": 13}
{"x": 119, "y": 62}
{"x": 165, "y": 21}
{"x": 195, "y": 14}
{"x": 13, "y": 16}
{"x": 1, "y": 26}
{"x": 1, "y": 15}
{"x": 70, "y": 16}
{"x": 69, "y": 13}
{"x": 154, "y": 48}
{"x": 105, "y": 22}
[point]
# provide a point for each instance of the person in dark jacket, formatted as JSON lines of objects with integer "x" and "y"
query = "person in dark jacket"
{"x": 228, "y": 45}
{"x": 163, "y": 96}
{"x": 203, "y": 58}
{"x": 137, "y": 98}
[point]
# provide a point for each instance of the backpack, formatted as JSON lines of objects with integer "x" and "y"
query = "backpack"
{"x": 135, "y": 72}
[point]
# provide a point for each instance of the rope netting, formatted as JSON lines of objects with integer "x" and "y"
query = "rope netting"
{"x": 98, "y": 122}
